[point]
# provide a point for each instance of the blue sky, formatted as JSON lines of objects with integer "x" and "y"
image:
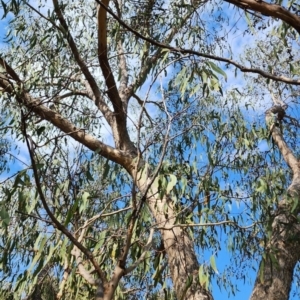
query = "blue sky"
{"x": 223, "y": 259}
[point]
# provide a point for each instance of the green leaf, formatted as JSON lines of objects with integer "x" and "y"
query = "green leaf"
{"x": 84, "y": 202}
{"x": 34, "y": 261}
{"x": 181, "y": 75}
{"x": 4, "y": 6}
{"x": 261, "y": 270}
{"x": 40, "y": 130}
{"x": 171, "y": 183}
{"x": 295, "y": 204}
{"x": 203, "y": 277}
{"x": 213, "y": 264}
{"x": 4, "y": 217}
{"x": 106, "y": 169}
{"x": 101, "y": 240}
{"x": 216, "y": 68}
{"x": 89, "y": 176}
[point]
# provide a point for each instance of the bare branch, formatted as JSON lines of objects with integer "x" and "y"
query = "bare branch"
{"x": 90, "y": 221}
{"x": 70, "y": 94}
{"x": 64, "y": 279}
{"x": 42, "y": 16}
{"x": 148, "y": 62}
{"x": 142, "y": 104}
{"x": 232, "y": 223}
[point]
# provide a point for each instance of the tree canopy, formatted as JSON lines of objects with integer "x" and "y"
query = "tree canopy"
{"x": 141, "y": 140}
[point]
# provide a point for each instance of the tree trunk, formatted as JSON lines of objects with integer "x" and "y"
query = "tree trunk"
{"x": 276, "y": 269}
{"x": 180, "y": 252}
{"x": 275, "y": 274}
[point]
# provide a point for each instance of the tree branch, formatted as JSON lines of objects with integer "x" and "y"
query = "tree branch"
{"x": 119, "y": 124}
{"x": 275, "y": 275}
{"x": 124, "y": 92}
{"x": 268, "y": 9}
{"x": 232, "y": 223}
{"x": 56, "y": 223}
{"x": 64, "y": 279}
{"x": 100, "y": 103}
{"x": 142, "y": 257}
{"x": 89, "y": 222}
{"x": 36, "y": 106}
{"x": 112, "y": 91}
{"x": 148, "y": 62}
{"x": 83, "y": 272}
{"x": 278, "y": 113}
{"x": 200, "y": 54}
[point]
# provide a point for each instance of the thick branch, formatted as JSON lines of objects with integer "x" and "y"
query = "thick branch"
{"x": 89, "y": 77}
{"x": 268, "y": 9}
{"x": 278, "y": 112}
{"x": 119, "y": 127}
{"x": 214, "y": 57}
{"x": 112, "y": 90}
{"x": 36, "y": 106}
{"x": 124, "y": 92}
{"x": 82, "y": 270}
{"x": 274, "y": 278}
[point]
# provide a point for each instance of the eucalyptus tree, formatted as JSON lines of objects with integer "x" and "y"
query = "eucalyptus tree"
{"x": 140, "y": 143}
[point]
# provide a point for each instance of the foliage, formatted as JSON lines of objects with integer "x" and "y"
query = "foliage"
{"x": 197, "y": 143}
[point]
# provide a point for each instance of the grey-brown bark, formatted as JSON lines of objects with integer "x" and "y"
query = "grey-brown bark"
{"x": 275, "y": 274}
{"x": 180, "y": 251}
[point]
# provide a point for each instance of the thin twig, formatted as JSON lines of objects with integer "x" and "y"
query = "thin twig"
{"x": 56, "y": 223}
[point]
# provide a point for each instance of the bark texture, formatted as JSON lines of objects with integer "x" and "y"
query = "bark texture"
{"x": 180, "y": 251}
{"x": 275, "y": 274}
